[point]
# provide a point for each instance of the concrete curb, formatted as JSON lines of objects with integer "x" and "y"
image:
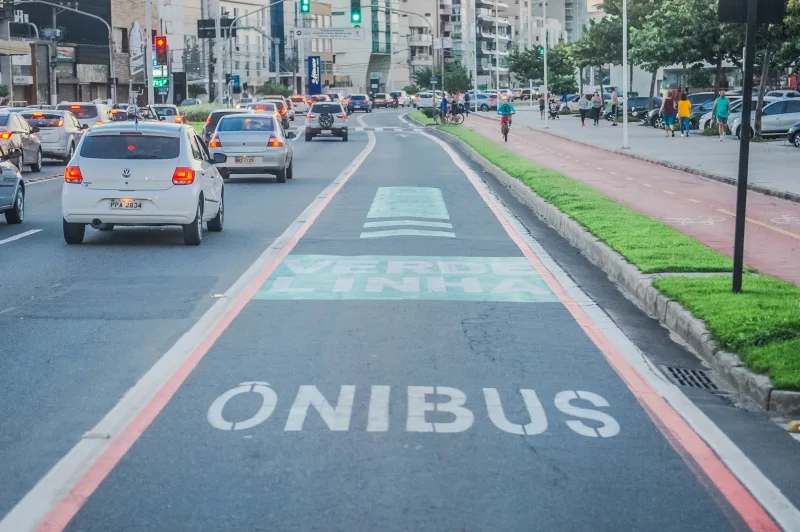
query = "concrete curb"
{"x": 674, "y": 166}
{"x": 691, "y": 330}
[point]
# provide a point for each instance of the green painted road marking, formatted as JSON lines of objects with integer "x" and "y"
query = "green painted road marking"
{"x": 414, "y": 223}
{"x": 408, "y": 202}
{"x": 406, "y": 232}
{"x": 331, "y": 277}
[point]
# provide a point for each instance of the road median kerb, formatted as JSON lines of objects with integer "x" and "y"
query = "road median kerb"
{"x": 674, "y": 166}
{"x": 639, "y": 286}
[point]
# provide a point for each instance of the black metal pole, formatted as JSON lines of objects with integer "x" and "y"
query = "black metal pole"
{"x": 744, "y": 144}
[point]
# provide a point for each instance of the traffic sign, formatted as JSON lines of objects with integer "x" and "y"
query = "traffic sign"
{"x": 236, "y": 84}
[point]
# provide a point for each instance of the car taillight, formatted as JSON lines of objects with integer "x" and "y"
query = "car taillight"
{"x": 309, "y": 116}
{"x": 208, "y": 120}
{"x": 5, "y": 135}
{"x": 179, "y": 120}
{"x": 274, "y": 143}
{"x": 283, "y": 111}
{"x": 183, "y": 176}
{"x": 214, "y": 142}
{"x": 60, "y": 122}
{"x": 99, "y": 122}
{"x": 343, "y": 117}
{"x": 72, "y": 174}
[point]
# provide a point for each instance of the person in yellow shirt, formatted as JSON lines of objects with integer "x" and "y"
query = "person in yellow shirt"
{"x": 684, "y": 113}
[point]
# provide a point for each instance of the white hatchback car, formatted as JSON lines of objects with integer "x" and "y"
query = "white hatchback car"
{"x": 425, "y": 100}
{"x": 146, "y": 173}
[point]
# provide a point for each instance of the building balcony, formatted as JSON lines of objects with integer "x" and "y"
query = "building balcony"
{"x": 417, "y": 39}
{"x": 491, "y": 36}
{"x": 488, "y": 19}
{"x": 491, "y": 4}
{"x": 421, "y": 60}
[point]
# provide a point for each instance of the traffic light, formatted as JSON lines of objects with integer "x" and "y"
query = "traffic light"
{"x": 161, "y": 50}
{"x": 541, "y": 50}
{"x": 305, "y": 6}
{"x": 355, "y": 11}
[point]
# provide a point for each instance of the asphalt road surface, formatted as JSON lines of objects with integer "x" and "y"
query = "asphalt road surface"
{"x": 387, "y": 342}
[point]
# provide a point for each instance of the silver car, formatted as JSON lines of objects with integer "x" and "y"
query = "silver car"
{"x": 326, "y": 118}
{"x": 254, "y": 143}
{"x": 15, "y": 132}
{"x": 12, "y": 188}
{"x": 89, "y": 114}
{"x": 59, "y": 132}
{"x": 168, "y": 113}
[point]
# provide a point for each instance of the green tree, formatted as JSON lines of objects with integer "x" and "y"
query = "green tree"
{"x": 529, "y": 65}
{"x": 637, "y": 14}
{"x": 196, "y": 90}
{"x": 422, "y": 77}
{"x": 600, "y": 45}
{"x": 273, "y": 88}
{"x": 411, "y": 89}
{"x": 456, "y": 78}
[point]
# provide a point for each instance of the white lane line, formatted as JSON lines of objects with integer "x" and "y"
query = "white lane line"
{"x": 693, "y": 200}
{"x": 360, "y": 120}
{"x": 21, "y": 235}
{"x": 395, "y": 223}
{"x": 406, "y": 232}
{"x": 671, "y": 193}
{"x": 37, "y": 180}
{"x": 757, "y": 483}
{"x": 90, "y": 456}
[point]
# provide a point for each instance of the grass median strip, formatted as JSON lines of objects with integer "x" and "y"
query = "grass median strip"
{"x": 198, "y": 126}
{"x": 762, "y": 324}
{"x": 648, "y": 244}
{"x": 419, "y": 116}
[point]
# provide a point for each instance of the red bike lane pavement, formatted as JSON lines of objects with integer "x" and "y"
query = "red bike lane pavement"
{"x": 701, "y": 208}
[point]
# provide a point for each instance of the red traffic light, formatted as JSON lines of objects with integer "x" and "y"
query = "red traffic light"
{"x": 161, "y": 41}
{"x": 161, "y": 50}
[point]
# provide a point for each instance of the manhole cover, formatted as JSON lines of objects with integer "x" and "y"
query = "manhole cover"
{"x": 693, "y": 378}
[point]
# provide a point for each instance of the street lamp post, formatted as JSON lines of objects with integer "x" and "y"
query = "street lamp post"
{"x": 625, "y": 80}
{"x": 546, "y": 86}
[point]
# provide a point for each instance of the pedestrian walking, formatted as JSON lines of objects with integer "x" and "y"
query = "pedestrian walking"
{"x": 466, "y": 102}
{"x": 583, "y": 105}
{"x": 597, "y": 106}
{"x": 721, "y": 110}
{"x": 667, "y": 112}
{"x": 541, "y": 106}
{"x": 614, "y": 105}
{"x": 685, "y": 113}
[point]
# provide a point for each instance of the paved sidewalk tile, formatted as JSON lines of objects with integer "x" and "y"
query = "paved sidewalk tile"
{"x": 773, "y": 165}
{"x": 701, "y": 208}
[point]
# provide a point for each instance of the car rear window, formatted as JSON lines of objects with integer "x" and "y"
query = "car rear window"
{"x": 380, "y": 95}
{"x": 166, "y": 111}
{"x": 332, "y": 108}
{"x": 130, "y": 146}
{"x": 4, "y": 119}
{"x": 297, "y": 98}
{"x": 262, "y": 106}
{"x": 395, "y": 94}
{"x": 246, "y": 123}
{"x": 358, "y": 97}
{"x": 278, "y": 104}
{"x": 80, "y": 111}
{"x": 425, "y": 95}
{"x": 217, "y": 116}
{"x": 41, "y": 120}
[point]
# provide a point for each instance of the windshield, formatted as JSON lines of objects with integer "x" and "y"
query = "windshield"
{"x": 42, "y": 120}
{"x": 80, "y": 111}
{"x": 425, "y": 95}
{"x": 166, "y": 111}
{"x": 4, "y": 119}
{"x": 245, "y": 123}
{"x": 332, "y": 108}
{"x": 130, "y": 146}
{"x": 216, "y": 117}
{"x": 358, "y": 97}
{"x": 395, "y": 94}
{"x": 261, "y": 106}
{"x": 380, "y": 95}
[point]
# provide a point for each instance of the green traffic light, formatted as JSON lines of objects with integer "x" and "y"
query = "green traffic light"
{"x": 356, "y": 17}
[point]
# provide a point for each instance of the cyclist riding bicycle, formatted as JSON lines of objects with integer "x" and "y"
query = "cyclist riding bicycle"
{"x": 505, "y": 110}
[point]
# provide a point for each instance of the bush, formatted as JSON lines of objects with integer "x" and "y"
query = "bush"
{"x": 197, "y": 113}
{"x": 411, "y": 89}
{"x": 565, "y": 111}
{"x": 430, "y": 112}
{"x": 273, "y": 88}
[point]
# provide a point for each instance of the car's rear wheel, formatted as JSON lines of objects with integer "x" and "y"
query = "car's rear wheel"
{"x": 280, "y": 176}
{"x": 37, "y": 166}
{"x": 484, "y": 108}
{"x": 17, "y": 212}
{"x": 658, "y": 122}
{"x": 70, "y": 153}
{"x": 73, "y": 233}
{"x": 309, "y": 136}
{"x": 20, "y": 162}
{"x": 796, "y": 140}
{"x": 215, "y": 224}
{"x": 290, "y": 170}
{"x": 344, "y": 136}
{"x": 193, "y": 232}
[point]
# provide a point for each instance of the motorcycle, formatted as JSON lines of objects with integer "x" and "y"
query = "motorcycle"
{"x": 394, "y": 103}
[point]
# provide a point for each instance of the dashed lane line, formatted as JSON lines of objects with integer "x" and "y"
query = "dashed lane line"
{"x": 35, "y": 180}
{"x": 671, "y": 193}
{"x": 765, "y": 226}
{"x": 21, "y": 235}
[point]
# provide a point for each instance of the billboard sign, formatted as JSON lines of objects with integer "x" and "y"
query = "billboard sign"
{"x": 314, "y": 74}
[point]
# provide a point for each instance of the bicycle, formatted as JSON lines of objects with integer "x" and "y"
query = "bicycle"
{"x": 440, "y": 118}
{"x": 504, "y": 129}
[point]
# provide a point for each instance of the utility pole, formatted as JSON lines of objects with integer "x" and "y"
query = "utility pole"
{"x": 218, "y": 67}
{"x": 148, "y": 52}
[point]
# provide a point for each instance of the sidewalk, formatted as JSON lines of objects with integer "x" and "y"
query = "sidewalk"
{"x": 701, "y": 208}
{"x": 773, "y": 165}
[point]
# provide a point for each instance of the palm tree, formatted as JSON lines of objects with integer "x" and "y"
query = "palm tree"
{"x": 422, "y": 77}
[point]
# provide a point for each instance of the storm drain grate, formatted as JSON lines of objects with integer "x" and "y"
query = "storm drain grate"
{"x": 693, "y": 378}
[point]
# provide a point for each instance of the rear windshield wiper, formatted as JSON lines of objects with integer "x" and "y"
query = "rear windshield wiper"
{"x": 142, "y": 156}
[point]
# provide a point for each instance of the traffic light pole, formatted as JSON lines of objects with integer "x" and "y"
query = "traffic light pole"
{"x": 148, "y": 52}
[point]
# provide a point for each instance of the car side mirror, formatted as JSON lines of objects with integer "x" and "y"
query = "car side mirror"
{"x": 85, "y": 127}
{"x": 35, "y": 129}
{"x": 291, "y": 134}
{"x": 220, "y": 158}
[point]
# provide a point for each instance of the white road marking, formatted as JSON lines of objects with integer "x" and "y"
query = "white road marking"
{"x": 360, "y": 120}
{"x": 693, "y": 200}
{"x": 21, "y": 235}
{"x": 336, "y": 417}
{"x": 269, "y": 399}
{"x": 407, "y": 232}
{"x": 671, "y": 193}
{"x": 62, "y": 477}
{"x": 416, "y": 223}
{"x": 758, "y": 484}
